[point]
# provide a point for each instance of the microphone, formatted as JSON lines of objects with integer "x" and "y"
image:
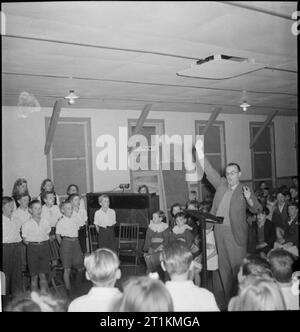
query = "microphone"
{"x": 124, "y": 186}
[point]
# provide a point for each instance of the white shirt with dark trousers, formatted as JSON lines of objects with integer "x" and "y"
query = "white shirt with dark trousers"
{"x": 33, "y": 231}
{"x": 187, "y": 296}
{"x": 105, "y": 219}
{"x": 69, "y": 226}
{"x": 98, "y": 299}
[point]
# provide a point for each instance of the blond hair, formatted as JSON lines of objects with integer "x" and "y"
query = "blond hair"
{"x": 101, "y": 197}
{"x": 177, "y": 258}
{"x": 143, "y": 294}
{"x": 102, "y": 266}
{"x": 258, "y": 294}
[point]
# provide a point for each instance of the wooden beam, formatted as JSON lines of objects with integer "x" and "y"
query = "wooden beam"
{"x": 211, "y": 120}
{"x": 52, "y": 125}
{"x": 142, "y": 119}
{"x": 264, "y": 126}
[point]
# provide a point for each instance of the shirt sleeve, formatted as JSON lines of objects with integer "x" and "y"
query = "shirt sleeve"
{"x": 97, "y": 218}
{"x": 113, "y": 217}
{"x": 25, "y": 230}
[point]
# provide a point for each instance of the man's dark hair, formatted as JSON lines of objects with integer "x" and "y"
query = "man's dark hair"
{"x": 234, "y": 164}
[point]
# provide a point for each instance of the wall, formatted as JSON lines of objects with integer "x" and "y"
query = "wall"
{"x": 23, "y": 142}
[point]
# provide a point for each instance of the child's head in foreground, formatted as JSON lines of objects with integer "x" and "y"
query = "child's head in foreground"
{"x": 35, "y": 302}
{"x": 102, "y": 267}
{"x": 143, "y": 294}
{"x": 176, "y": 259}
{"x": 281, "y": 262}
{"x": 258, "y": 294}
{"x": 254, "y": 265}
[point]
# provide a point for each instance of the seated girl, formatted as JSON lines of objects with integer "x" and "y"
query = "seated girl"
{"x": 157, "y": 237}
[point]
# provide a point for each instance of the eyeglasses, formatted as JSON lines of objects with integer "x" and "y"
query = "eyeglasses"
{"x": 231, "y": 173}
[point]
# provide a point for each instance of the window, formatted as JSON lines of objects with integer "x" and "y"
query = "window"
{"x": 215, "y": 151}
{"x": 262, "y": 155}
{"x": 69, "y": 159}
{"x": 151, "y": 178}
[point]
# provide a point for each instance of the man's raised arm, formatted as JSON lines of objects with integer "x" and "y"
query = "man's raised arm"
{"x": 202, "y": 162}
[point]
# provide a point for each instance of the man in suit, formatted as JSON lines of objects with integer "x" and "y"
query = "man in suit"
{"x": 291, "y": 232}
{"x": 230, "y": 201}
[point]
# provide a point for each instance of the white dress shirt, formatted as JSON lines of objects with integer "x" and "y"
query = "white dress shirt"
{"x": 20, "y": 216}
{"x": 10, "y": 231}
{"x": 82, "y": 215}
{"x": 98, "y": 299}
{"x": 69, "y": 226}
{"x": 33, "y": 231}
{"x": 51, "y": 214}
{"x": 187, "y": 296}
{"x": 104, "y": 219}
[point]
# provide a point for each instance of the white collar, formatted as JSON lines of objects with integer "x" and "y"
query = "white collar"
{"x": 182, "y": 229}
{"x": 158, "y": 227}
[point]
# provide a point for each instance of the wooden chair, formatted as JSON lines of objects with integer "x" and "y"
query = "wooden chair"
{"x": 55, "y": 278}
{"x": 92, "y": 238}
{"x": 128, "y": 242}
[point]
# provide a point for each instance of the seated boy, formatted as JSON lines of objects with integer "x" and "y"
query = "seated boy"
{"x": 102, "y": 268}
{"x": 67, "y": 236}
{"x": 186, "y": 296}
{"x": 35, "y": 233}
{"x": 281, "y": 263}
{"x": 11, "y": 248}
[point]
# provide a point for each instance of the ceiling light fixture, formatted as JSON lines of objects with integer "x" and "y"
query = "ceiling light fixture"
{"x": 71, "y": 97}
{"x": 244, "y": 106}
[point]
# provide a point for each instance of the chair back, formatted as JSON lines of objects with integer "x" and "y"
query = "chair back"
{"x": 93, "y": 238}
{"x": 128, "y": 233}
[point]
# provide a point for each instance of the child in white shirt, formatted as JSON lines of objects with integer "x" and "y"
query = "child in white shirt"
{"x": 67, "y": 236}
{"x": 102, "y": 268}
{"x": 105, "y": 219}
{"x": 186, "y": 296}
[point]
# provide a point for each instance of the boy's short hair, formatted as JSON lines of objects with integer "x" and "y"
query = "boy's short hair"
{"x": 264, "y": 210}
{"x": 101, "y": 197}
{"x": 63, "y": 203}
{"x": 177, "y": 258}
{"x": 34, "y": 201}
{"x": 46, "y": 193}
{"x": 6, "y": 199}
{"x": 72, "y": 196}
{"x": 256, "y": 265}
{"x": 102, "y": 265}
{"x": 281, "y": 262}
{"x": 180, "y": 214}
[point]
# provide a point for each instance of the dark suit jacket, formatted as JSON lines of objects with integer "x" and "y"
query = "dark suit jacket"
{"x": 291, "y": 233}
{"x": 281, "y": 218}
{"x": 269, "y": 233}
{"x": 238, "y": 204}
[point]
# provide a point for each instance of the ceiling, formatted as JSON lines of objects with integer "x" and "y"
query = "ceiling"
{"x": 122, "y": 55}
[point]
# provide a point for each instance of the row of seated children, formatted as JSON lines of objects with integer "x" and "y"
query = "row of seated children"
{"x": 267, "y": 283}
{"x": 265, "y": 235}
{"x": 29, "y": 229}
{"x": 143, "y": 294}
